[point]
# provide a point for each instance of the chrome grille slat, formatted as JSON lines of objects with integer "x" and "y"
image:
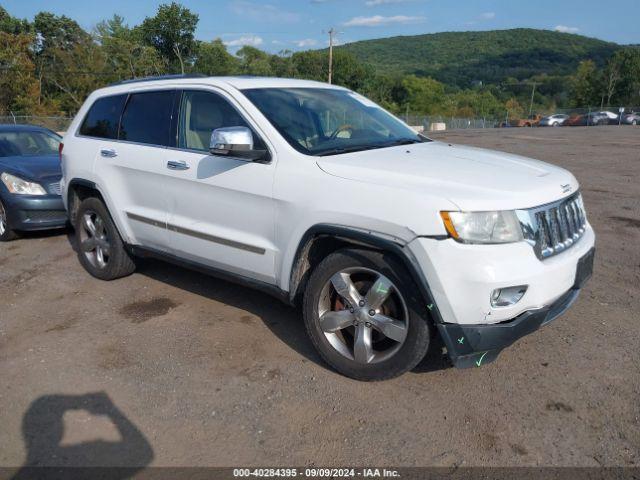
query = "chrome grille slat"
{"x": 554, "y": 227}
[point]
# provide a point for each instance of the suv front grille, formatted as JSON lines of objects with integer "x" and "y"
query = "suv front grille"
{"x": 554, "y": 227}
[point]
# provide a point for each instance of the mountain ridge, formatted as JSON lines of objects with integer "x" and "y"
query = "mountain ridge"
{"x": 492, "y": 56}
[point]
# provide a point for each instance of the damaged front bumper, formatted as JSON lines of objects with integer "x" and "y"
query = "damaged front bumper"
{"x": 476, "y": 345}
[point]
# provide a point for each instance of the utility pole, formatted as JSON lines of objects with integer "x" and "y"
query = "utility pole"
{"x": 533, "y": 92}
{"x": 332, "y": 32}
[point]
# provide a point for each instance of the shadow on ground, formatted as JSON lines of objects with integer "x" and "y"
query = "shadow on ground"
{"x": 283, "y": 321}
{"x": 43, "y": 430}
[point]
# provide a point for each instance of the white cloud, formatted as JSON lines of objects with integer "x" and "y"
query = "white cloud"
{"x": 252, "y": 40}
{"x": 374, "y": 3}
{"x": 263, "y": 11}
{"x": 488, "y": 15}
{"x": 307, "y": 42}
{"x": 379, "y": 20}
{"x": 565, "y": 29}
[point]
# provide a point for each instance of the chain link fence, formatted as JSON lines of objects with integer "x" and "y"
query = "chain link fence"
{"x": 431, "y": 123}
{"x": 587, "y": 116}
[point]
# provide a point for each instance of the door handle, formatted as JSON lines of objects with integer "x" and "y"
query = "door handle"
{"x": 108, "y": 152}
{"x": 177, "y": 165}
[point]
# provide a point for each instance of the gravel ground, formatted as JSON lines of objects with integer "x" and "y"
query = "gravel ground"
{"x": 172, "y": 368}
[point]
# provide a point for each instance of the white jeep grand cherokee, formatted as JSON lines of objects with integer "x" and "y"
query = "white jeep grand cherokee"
{"x": 317, "y": 195}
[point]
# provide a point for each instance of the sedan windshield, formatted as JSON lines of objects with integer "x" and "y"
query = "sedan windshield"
{"x": 324, "y": 121}
{"x": 26, "y": 143}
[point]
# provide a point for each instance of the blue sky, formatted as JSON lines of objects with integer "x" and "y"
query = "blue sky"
{"x": 276, "y": 25}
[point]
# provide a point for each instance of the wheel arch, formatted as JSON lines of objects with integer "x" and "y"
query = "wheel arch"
{"x": 323, "y": 239}
{"x": 77, "y": 190}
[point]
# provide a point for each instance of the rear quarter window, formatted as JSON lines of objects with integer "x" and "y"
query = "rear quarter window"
{"x": 103, "y": 117}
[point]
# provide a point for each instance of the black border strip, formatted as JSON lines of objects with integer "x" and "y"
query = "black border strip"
{"x": 196, "y": 234}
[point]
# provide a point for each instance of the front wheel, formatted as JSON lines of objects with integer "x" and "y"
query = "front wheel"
{"x": 6, "y": 233}
{"x": 100, "y": 248}
{"x": 363, "y": 314}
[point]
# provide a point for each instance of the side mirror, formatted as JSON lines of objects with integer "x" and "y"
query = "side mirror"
{"x": 235, "y": 142}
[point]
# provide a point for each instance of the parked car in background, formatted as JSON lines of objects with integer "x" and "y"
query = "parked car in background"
{"x": 611, "y": 118}
{"x": 530, "y": 121}
{"x": 30, "y": 176}
{"x": 555, "y": 120}
{"x": 591, "y": 119}
{"x": 632, "y": 118}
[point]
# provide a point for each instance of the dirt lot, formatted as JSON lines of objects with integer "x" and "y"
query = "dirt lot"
{"x": 196, "y": 371}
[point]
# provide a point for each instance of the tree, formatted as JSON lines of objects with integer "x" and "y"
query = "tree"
{"x": 424, "y": 95}
{"x": 18, "y": 84}
{"x": 171, "y": 33}
{"x": 254, "y": 61}
{"x": 628, "y": 85}
{"x": 11, "y": 25}
{"x": 76, "y": 72}
{"x": 514, "y": 109}
{"x": 125, "y": 56}
{"x": 57, "y": 32}
{"x": 583, "y": 85}
{"x": 212, "y": 58}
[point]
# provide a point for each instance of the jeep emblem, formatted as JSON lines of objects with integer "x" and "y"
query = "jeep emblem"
{"x": 566, "y": 188}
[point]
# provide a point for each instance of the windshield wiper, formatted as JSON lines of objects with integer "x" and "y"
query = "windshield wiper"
{"x": 401, "y": 141}
{"x": 359, "y": 148}
{"x": 339, "y": 150}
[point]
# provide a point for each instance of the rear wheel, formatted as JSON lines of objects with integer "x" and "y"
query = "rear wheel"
{"x": 361, "y": 312}
{"x": 100, "y": 248}
{"x": 6, "y": 233}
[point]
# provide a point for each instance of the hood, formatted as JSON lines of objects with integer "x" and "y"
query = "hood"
{"x": 471, "y": 178}
{"x": 35, "y": 168}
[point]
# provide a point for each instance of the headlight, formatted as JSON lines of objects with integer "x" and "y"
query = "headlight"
{"x": 21, "y": 187}
{"x": 483, "y": 227}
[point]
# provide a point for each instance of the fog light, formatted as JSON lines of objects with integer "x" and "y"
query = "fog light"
{"x": 505, "y": 297}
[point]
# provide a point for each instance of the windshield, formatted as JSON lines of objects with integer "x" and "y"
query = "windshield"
{"x": 26, "y": 143}
{"x": 324, "y": 121}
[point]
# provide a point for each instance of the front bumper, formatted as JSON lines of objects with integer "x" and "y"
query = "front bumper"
{"x": 461, "y": 278}
{"x": 31, "y": 212}
{"x": 476, "y": 345}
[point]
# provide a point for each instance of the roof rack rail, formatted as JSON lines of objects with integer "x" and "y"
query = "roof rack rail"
{"x": 159, "y": 77}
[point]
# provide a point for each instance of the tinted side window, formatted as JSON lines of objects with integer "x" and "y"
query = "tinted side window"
{"x": 103, "y": 117}
{"x": 147, "y": 118}
{"x": 203, "y": 112}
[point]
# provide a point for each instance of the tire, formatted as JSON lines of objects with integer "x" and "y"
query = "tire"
{"x": 555, "y": 124}
{"x": 6, "y": 233}
{"x": 100, "y": 248}
{"x": 377, "y": 277}
{"x": 634, "y": 122}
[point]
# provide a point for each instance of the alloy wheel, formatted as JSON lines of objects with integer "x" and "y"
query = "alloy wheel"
{"x": 94, "y": 240}
{"x": 3, "y": 219}
{"x": 363, "y": 315}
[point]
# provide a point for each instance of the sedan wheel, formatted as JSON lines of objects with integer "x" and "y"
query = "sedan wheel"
{"x": 6, "y": 233}
{"x": 3, "y": 220}
{"x": 363, "y": 315}
{"x": 94, "y": 241}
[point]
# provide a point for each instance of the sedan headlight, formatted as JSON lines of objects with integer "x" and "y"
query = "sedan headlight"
{"x": 483, "y": 227}
{"x": 21, "y": 187}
